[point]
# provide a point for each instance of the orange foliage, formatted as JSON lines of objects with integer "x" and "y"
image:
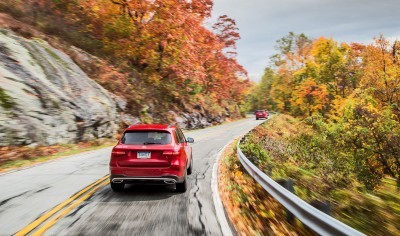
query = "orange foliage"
{"x": 163, "y": 40}
{"x": 310, "y": 96}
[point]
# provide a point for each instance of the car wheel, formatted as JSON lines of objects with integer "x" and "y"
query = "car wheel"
{"x": 182, "y": 187}
{"x": 190, "y": 169}
{"x": 117, "y": 187}
{"x": 256, "y": 118}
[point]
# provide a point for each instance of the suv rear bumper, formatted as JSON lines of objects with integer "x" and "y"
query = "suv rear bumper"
{"x": 167, "y": 179}
{"x": 176, "y": 172}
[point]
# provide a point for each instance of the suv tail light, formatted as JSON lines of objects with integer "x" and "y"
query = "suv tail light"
{"x": 115, "y": 153}
{"x": 173, "y": 155}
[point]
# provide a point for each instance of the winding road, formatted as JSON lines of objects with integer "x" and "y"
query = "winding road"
{"x": 28, "y": 195}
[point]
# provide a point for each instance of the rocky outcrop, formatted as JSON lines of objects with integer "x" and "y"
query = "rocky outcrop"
{"x": 45, "y": 98}
{"x": 195, "y": 120}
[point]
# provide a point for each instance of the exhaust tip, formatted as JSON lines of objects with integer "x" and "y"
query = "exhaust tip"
{"x": 169, "y": 181}
{"x": 117, "y": 181}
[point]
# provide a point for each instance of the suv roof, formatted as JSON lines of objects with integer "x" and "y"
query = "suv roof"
{"x": 151, "y": 127}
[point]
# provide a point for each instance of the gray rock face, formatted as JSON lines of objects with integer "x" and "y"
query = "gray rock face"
{"x": 45, "y": 98}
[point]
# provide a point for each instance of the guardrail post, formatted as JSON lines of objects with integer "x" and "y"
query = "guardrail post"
{"x": 288, "y": 185}
{"x": 323, "y": 206}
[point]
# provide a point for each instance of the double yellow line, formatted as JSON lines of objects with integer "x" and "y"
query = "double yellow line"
{"x": 46, "y": 221}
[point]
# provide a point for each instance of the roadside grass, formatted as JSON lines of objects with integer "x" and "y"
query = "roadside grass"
{"x": 12, "y": 158}
{"x": 286, "y": 148}
{"x": 250, "y": 209}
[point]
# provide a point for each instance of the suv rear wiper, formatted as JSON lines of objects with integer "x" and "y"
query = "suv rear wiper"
{"x": 147, "y": 143}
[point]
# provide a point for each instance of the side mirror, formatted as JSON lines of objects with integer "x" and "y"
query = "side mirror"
{"x": 190, "y": 140}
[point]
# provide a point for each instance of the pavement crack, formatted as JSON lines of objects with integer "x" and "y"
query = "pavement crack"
{"x": 11, "y": 198}
{"x": 73, "y": 223}
{"x": 77, "y": 209}
{"x": 203, "y": 174}
{"x": 41, "y": 190}
{"x": 203, "y": 227}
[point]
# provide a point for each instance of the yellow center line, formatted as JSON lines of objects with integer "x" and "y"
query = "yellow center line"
{"x": 54, "y": 220}
{"x": 46, "y": 216}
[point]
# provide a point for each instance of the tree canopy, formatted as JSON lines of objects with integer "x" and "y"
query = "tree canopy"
{"x": 165, "y": 41}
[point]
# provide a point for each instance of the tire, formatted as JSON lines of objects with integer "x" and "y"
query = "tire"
{"x": 190, "y": 169}
{"x": 181, "y": 187}
{"x": 256, "y": 118}
{"x": 117, "y": 187}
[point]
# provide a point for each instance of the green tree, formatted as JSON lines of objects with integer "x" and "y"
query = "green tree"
{"x": 260, "y": 95}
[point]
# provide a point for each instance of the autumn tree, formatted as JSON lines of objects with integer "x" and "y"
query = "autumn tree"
{"x": 372, "y": 124}
{"x": 227, "y": 34}
{"x": 381, "y": 75}
{"x": 332, "y": 64}
{"x": 293, "y": 51}
{"x": 310, "y": 97}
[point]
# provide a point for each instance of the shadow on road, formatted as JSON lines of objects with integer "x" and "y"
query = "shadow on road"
{"x": 135, "y": 193}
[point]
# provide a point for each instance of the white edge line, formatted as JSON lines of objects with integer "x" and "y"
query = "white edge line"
{"x": 219, "y": 207}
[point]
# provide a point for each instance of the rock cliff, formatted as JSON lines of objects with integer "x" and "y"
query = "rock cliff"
{"x": 45, "y": 98}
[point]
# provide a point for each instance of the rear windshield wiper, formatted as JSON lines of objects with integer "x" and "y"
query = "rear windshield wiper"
{"x": 147, "y": 143}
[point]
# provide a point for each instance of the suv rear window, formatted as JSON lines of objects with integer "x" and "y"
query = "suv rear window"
{"x": 146, "y": 137}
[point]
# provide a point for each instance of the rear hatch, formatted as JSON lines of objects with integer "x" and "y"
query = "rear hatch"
{"x": 145, "y": 149}
{"x": 260, "y": 113}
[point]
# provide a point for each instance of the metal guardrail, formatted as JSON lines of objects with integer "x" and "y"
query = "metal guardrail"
{"x": 316, "y": 220}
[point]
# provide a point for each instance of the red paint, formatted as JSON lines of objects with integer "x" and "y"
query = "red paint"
{"x": 261, "y": 114}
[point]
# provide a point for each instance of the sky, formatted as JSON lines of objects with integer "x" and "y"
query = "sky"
{"x": 262, "y": 22}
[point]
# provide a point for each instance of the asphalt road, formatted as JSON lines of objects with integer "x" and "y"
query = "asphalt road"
{"x": 139, "y": 210}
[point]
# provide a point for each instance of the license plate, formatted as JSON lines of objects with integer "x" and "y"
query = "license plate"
{"x": 143, "y": 155}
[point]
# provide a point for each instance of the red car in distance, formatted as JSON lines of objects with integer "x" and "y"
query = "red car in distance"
{"x": 151, "y": 153}
{"x": 261, "y": 114}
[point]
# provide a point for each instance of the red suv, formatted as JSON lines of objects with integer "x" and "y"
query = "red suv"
{"x": 261, "y": 114}
{"x": 151, "y": 153}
